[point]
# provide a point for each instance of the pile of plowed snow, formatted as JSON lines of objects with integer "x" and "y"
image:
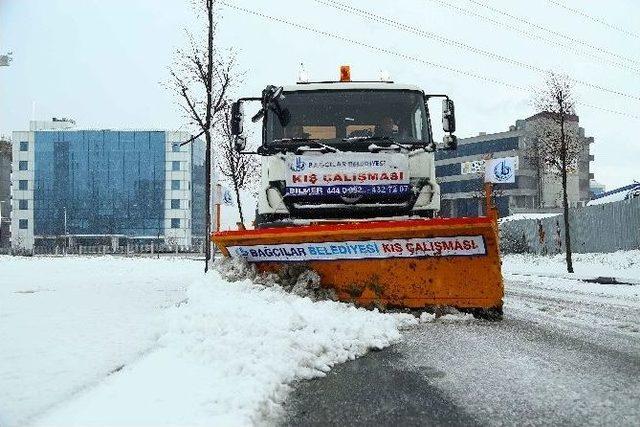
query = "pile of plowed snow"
{"x": 231, "y": 352}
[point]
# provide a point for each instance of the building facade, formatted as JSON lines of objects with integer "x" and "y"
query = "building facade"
{"x": 461, "y": 173}
{"x": 106, "y": 187}
{"x": 5, "y": 192}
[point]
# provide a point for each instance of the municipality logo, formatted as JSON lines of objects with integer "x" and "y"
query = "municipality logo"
{"x": 502, "y": 171}
{"x": 298, "y": 165}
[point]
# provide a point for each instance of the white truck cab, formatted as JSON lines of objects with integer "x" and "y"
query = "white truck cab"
{"x": 345, "y": 150}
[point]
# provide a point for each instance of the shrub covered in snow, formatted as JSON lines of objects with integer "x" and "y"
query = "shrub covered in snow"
{"x": 513, "y": 243}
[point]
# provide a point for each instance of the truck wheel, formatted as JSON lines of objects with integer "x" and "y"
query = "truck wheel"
{"x": 491, "y": 314}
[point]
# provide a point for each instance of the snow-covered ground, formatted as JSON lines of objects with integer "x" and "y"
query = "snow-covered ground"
{"x": 225, "y": 355}
{"x": 66, "y": 323}
{"x": 623, "y": 265}
{"x": 117, "y": 341}
{"x": 538, "y": 287}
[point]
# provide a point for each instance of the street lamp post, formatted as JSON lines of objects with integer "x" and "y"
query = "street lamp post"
{"x": 66, "y": 237}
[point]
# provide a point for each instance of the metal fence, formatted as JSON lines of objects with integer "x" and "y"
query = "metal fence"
{"x": 126, "y": 250}
{"x": 601, "y": 228}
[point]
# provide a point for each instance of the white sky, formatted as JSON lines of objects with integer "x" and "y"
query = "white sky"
{"x": 101, "y": 62}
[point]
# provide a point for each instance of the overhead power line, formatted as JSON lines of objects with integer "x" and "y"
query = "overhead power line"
{"x": 550, "y": 31}
{"x": 535, "y": 36}
{"x": 398, "y": 54}
{"x": 595, "y": 19}
{"x": 417, "y": 31}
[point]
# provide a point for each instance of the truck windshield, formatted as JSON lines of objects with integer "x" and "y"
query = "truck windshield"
{"x": 349, "y": 118}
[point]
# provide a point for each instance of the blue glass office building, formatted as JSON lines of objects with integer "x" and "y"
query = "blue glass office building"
{"x": 106, "y": 182}
{"x": 92, "y": 185}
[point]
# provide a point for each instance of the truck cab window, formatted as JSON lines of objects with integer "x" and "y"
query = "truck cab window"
{"x": 335, "y": 116}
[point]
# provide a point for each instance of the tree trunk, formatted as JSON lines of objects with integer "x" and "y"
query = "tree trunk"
{"x": 237, "y": 190}
{"x": 207, "y": 134}
{"x": 565, "y": 198}
{"x": 207, "y": 201}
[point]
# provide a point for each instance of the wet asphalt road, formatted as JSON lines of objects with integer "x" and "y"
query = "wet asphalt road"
{"x": 530, "y": 369}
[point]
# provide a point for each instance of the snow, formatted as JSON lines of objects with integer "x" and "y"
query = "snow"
{"x": 623, "y": 265}
{"x": 65, "y": 323}
{"x": 118, "y": 341}
{"x": 540, "y": 289}
{"x": 614, "y": 197}
{"x": 226, "y": 355}
{"x": 520, "y": 216}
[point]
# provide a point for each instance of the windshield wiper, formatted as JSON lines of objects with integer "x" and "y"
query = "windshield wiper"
{"x": 309, "y": 140}
{"x": 388, "y": 139}
{"x": 378, "y": 138}
{"x": 295, "y": 139}
{"x": 367, "y": 138}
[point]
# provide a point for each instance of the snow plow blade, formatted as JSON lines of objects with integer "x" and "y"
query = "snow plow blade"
{"x": 420, "y": 263}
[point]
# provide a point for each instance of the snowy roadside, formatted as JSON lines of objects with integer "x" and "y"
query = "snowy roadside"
{"x": 623, "y": 265}
{"x": 66, "y": 323}
{"x": 538, "y": 287}
{"x": 230, "y": 354}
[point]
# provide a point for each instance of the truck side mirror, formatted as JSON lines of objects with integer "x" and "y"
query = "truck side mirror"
{"x": 450, "y": 142}
{"x": 448, "y": 116}
{"x": 236, "y": 119}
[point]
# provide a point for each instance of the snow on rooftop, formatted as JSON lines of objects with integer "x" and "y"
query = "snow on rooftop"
{"x": 617, "y": 195}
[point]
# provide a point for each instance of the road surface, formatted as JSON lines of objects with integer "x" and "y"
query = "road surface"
{"x": 566, "y": 353}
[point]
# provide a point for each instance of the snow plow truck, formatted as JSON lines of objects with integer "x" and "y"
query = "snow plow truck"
{"x": 348, "y": 189}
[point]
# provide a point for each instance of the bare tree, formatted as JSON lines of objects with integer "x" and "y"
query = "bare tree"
{"x": 558, "y": 143}
{"x": 202, "y": 77}
{"x": 241, "y": 170}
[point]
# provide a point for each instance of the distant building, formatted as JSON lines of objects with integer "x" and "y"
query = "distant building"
{"x": 596, "y": 189}
{"x": 623, "y": 193}
{"x": 5, "y": 191}
{"x": 106, "y": 187}
{"x": 461, "y": 173}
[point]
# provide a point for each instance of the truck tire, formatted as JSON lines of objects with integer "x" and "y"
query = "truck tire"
{"x": 492, "y": 314}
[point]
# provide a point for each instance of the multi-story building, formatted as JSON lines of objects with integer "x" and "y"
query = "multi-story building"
{"x": 85, "y": 187}
{"x": 461, "y": 172}
{"x": 5, "y": 191}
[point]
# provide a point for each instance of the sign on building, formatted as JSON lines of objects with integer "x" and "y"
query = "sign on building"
{"x": 476, "y": 166}
{"x": 501, "y": 170}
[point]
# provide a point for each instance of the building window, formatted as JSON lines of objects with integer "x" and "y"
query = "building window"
{"x": 23, "y": 224}
{"x": 175, "y": 203}
{"x": 175, "y": 222}
{"x": 175, "y": 184}
{"x": 175, "y": 147}
{"x": 23, "y": 205}
{"x": 24, "y": 145}
{"x": 23, "y": 165}
{"x": 23, "y": 184}
{"x": 175, "y": 166}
